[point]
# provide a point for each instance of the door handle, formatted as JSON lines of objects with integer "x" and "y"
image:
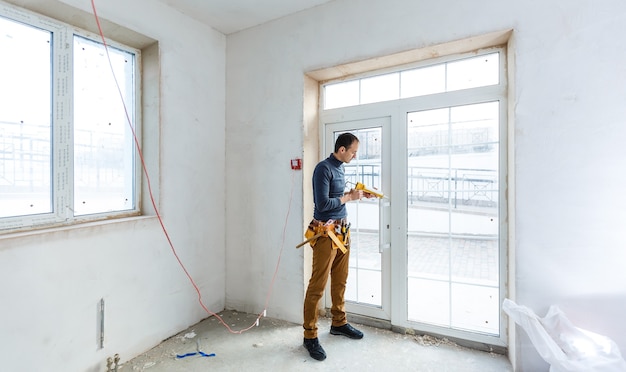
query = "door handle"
{"x": 385, "y": 225}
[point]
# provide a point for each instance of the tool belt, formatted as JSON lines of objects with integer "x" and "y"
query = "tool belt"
{"x": 337, "y": 230}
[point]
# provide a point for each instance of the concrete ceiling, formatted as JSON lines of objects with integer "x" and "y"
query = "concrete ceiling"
{"x": 228, "y": 16}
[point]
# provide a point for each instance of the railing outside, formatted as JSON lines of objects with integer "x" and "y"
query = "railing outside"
{"x": 459, "y": 186}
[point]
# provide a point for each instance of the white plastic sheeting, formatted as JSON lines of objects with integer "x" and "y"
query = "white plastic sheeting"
{"x": 565, "y": 347}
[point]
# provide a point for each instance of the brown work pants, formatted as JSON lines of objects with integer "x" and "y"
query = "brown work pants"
{"x": 326, "y": 260}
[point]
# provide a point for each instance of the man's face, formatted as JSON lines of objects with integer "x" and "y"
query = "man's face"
{"x": 346, "y": 155}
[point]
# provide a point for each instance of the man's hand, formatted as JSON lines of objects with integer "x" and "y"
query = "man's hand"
{"x": 352, "y": 195}
{"x": 356, "y": 194}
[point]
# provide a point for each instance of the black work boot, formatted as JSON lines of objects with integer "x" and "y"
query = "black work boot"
{"x": 346, "y": 330}
{"x": 315, "y": 349}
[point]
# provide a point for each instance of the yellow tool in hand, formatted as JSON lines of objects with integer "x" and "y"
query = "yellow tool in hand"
{"x": 360, "y": 186}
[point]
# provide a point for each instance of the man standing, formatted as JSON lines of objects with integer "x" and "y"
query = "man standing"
{"x": 330, "y": 215}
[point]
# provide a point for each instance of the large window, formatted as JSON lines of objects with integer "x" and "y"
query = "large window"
{"x": 68, "y": 116}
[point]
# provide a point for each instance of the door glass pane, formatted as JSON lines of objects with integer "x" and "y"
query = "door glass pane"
{"x": 25, "y": 120}
{"x": 365, "y": 278}
{"x": 103, "y": 142}
{"x": 475, "y": 308}
{"x": 453, "y": 222}
{"x": 430, "y": 302}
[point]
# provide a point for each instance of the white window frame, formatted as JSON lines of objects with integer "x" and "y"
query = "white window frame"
{"x": 358, "y": 78}
{"x": 62, "y": 126}
{"x": 398, "y": 109}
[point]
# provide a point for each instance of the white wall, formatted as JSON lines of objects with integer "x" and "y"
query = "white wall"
{"x": 570, "y": 130}
{"x": 51, "y": 281}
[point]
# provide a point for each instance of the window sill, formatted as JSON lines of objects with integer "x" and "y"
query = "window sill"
{"x": 35, "y": 232}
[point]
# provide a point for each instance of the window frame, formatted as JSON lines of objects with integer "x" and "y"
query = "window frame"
{"x": 397, "y": 110}
{"x": 422, "y": 64}
{"x": 62, "y": 146}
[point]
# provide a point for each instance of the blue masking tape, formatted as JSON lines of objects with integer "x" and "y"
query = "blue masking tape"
{"x": 192, "y": 354}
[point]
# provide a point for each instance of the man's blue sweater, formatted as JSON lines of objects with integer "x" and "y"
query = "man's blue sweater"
{"x": 328, "y": 187}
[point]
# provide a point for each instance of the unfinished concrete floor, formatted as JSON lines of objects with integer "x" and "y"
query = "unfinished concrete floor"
{"x": 276, "y": 345}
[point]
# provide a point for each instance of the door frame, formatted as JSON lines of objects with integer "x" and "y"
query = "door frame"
{"x": 395, "y": 297}
{"x": 314, "y": 129}
{"x": 330, "y": 124}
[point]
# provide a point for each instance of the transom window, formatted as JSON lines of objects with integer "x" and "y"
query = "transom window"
{"x": 472, "y": 72}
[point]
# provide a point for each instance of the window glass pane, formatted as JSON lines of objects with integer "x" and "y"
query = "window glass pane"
{"x": 474, "y": 160}
{"x": 380, "y": 88}
{"x": 341, "y": 95}
{"x": 453, "y": 216}
{"x": 423, "y": 81}
{"x": 466, "y": 73}
{"x": 103, "y": 141}
{"x": 25, "y": 119}
{"x": 429, "y": 117}
{"x": 476, "y": 124}
{"x": 473, "y": 72}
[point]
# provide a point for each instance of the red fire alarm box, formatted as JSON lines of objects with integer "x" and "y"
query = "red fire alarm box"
{"x": 296, "y": 164}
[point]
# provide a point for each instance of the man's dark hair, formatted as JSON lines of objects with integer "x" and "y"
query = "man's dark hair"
{"x": 346, "y": 140}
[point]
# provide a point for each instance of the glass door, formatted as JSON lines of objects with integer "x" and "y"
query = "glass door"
{"x": 453, "y": 220}
{"x": 367, "y": 291}
{"x": 442, "y": 137}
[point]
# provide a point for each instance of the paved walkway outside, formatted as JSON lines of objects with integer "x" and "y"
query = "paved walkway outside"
{"x": 451, "y": 281}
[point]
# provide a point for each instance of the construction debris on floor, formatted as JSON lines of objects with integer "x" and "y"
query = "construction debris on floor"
{"x": 276, "y": 345}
